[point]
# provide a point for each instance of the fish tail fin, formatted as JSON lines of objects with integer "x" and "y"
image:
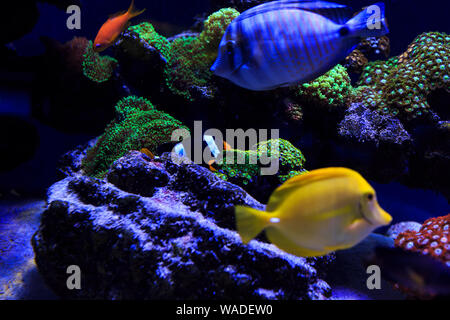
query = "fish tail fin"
{"x": 132, "y": 10}
{"x": 250, "y": 222}
{"x": 370, "y": 22}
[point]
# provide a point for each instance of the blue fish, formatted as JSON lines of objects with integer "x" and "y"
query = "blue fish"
{"x": 287, "y": 42}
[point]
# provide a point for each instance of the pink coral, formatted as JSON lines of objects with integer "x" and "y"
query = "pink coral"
{"x": 433, "y": 238}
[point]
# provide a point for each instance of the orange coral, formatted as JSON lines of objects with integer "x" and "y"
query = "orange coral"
{"x": 433, "y": 238}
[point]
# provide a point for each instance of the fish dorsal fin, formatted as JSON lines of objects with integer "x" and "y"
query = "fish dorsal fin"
{"x": 338, "y": 13}
{"x": 131, "y": 11}
{"x": 292, "y": 185}
{"x": 114, "y": 15}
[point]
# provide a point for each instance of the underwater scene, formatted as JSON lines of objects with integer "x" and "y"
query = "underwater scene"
{"x": 238, "y": 150}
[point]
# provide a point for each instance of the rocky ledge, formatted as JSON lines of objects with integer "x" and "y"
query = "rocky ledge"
{"x": 158, "y": 229}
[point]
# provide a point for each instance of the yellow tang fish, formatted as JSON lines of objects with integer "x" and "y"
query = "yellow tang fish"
{"x": 316, "y": 213}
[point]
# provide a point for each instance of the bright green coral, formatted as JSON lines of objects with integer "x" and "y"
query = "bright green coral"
{"x": 401, "y": 85}
{"x": 188, "y": 67}
{"x": 190, "y": 58}
{"x": 95, "y": 67}
{"x": 147, "y": 33}
{"x": 132, "y": 104}
{"x": 237, "y": 166}
{"x": 291, "y": 162}
{"x": 140, "y": 127}
{"x": 215, "y": 26}
{"x": 332, "y": 89}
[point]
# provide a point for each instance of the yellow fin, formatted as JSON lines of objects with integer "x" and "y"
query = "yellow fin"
{"x": 279, "y": 239}
{"x": 250, "y": 222}
{"x": 132, "y": 10}
{"x": 291, "y": 185}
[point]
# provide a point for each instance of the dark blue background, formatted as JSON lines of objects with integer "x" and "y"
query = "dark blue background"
{"x": 406, "y": 18}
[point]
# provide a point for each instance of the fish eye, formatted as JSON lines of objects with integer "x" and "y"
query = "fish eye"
{"x": 370, "y": 196}
{"x": 344, "y": 31}
{"x": 98, "y": 45}
{"x": 229, "y": 46}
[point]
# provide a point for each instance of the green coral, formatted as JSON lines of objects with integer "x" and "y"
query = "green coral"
{"x": 237, "y": 166}
{"x": 331, "y": 89}
{"x": 132, "y": 104}
{"x": 188, "y": 67}
{"x": 242, "y": 167}
{"x": 215, "y": 26}
{"x": 190, "y": 58}
{"x": 147, "y": 33}
{"x": 95, "y": 67}
{"x": 141, "y": 126}
{"x": 401, "y": 85}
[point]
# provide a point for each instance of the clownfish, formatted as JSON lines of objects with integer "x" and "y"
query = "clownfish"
{"x": 113, "y": 27}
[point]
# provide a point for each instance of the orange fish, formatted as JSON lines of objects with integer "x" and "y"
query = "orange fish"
{"x": 226, "y": 147}
{"x": 111, "y": 29}
{"x": 148, "y": 153}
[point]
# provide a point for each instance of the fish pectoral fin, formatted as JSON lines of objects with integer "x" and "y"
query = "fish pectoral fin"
{"x": 281, "y": 241}
{"x": 357, "y": 226}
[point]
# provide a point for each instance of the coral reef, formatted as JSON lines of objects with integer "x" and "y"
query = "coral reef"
{"x": 215, "y": 26}
{"x": 356, "y": 61}
{"x": 187, "y": 58}
{"x": 192, "y": 57}
{"x": 188, "y": 69}
{"x": 139, "y": 125}
{"x": 242, "y": 167}
{"x": 375, "y": 46}
{"x": 177, "y": 242}
{"x": 401, "y": 85}
{"x": 330, "y": 90}
{"x": 150, "y": 38}
{"x": 369, "y": 49}
{"x": 95, "y": 67}
{"x": 365, "y": 125}
{"x": 432, "y": 239}
{"x": 132, "y": 104}
{"x": 401, "y": 227}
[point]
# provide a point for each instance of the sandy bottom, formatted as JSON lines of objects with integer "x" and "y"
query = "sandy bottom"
{"x": 19, "y": 277}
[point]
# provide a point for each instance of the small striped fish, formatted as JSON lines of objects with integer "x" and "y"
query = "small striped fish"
{"x": 286, "y": 42}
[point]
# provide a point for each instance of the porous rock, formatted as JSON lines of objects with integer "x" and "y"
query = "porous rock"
{"x": 178, "y": 242}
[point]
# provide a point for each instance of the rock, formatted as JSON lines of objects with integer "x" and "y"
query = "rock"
{"x": 178, "y": 242}
{"x": 19, "y": 277}
{"x": 365, "y": 125}
{"x": 135, "y": 174}
{"x": 138, "y": 59}
{"x": 398, "y": 228}
{"x": 348, "y": 275}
